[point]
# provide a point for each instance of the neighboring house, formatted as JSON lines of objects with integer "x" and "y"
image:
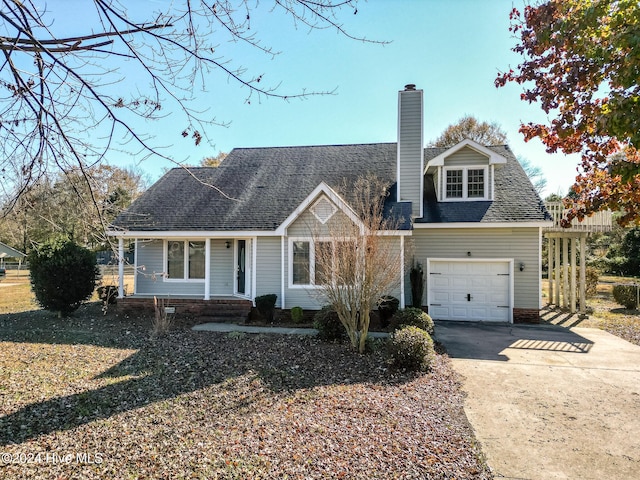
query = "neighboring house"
{"x": 471, "y": 218}
{"x": 8, "y": 252}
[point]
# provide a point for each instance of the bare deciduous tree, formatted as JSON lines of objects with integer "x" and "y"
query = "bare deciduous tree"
{"x": 63, "y": 206}
{"x": 214, "y": 161}
{"x": 484, "y": 133}
{"x": 357, "y": 262}
{"x": 65, "y": 105}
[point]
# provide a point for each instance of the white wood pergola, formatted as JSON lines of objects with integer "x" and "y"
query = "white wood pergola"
{"x": 567, "y": 256}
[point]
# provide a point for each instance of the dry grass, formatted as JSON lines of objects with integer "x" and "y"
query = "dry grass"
{"x": 15, "y": 292}
{"x": 16, "y": 295}
{"x": 206, "y": 405}
{"x": 604, "y": 312}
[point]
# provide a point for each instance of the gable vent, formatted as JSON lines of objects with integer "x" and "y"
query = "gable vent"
{"x": 323, "y": 210}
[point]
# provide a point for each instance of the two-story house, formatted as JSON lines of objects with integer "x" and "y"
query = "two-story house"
{"x": 246, "y": 228}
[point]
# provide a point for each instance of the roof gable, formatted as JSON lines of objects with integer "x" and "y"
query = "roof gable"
{"x": 318, "y": 192}
{"x": 492, "y": 156}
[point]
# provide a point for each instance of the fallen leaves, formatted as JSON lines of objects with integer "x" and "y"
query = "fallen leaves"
{"x": 208, "y": 405}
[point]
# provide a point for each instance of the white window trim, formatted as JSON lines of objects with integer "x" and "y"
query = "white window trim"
{"x": 465, "y": 183}
{"x": 312, "y": 261}
{"x": 165, "y": 261}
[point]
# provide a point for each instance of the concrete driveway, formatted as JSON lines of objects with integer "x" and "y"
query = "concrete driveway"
{"x": 548, "y": 402}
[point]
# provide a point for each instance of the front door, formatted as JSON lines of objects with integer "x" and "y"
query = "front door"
{"x": 241, "y": 267}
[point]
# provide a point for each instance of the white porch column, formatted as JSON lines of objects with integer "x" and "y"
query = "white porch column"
{"x": 135, "y": 266}
{"x": 583, "y": 273}
{"x": 402, "y": 300}
{"x": 284, "y": 281}
{"x": 551, "y": 243}
{"x": 565, "y": 272}
{"x": 574, "y": 273}
{"x": 120, "y": 267}
{"x": 207, "y": 269}
{"x": 254, "y": 266}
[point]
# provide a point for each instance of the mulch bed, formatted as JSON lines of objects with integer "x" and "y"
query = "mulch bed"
{"x": 95, "y": 396}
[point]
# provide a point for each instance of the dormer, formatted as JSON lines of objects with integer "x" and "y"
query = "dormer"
{"x": 465, "y": 172}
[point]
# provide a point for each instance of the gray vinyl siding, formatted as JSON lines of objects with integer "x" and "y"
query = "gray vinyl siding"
{"x": 466, "y": 157}
{"x": 519, "y": 244}
{"x": 307, "y": 225}
{"x": 222, "y": 268}
{"x": 269, "y": 267}
{"x": 305, "y": 297}
{"x": 150, "y": 281}
{"x": 410, "y": 153}
{"x": 311, "y": 298}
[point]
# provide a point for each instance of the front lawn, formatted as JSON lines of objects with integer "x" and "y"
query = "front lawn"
{"x": 95, "y": 397}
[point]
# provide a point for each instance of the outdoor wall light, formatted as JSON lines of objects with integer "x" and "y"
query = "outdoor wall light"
{"x": 227, "y": 244}
{"x": 522, "y": 267}
{"x": 468, "y": 254}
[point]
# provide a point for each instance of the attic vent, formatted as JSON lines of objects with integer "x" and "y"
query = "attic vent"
{"x": 323, "y": 210}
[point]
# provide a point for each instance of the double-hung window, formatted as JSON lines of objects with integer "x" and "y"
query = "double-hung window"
{"x": 185, "y": 260}
{"x": 466, "y": 183}
{"x": 317, "y": 263}
{"x": 300, "y": 268}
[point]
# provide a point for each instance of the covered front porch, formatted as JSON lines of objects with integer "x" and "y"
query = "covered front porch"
{"x": 188, "y": 267}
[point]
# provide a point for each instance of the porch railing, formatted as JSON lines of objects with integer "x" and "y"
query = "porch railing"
{"x": 598, "y": 222}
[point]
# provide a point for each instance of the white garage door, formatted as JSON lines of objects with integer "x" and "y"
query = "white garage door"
{"x": 470, "y": 291}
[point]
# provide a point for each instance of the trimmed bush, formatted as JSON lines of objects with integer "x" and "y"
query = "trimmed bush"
{"x": 413, "y": 317}
{"x": 297, "y": 314}
{"x": 63, "y": 275}
{"x": 328, "y": 324}
{"x": 387, "y": 307}
{"x": 266, "y": 304}
{"x": 411, "y": 348}
{"x": 626, "y": 295}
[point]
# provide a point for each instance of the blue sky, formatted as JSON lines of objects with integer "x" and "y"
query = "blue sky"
{"x": 452, "y": 49}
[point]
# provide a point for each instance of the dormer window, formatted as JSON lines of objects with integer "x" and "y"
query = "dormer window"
{"x": 465, "y": 183}
{"x": 465, "y": 172}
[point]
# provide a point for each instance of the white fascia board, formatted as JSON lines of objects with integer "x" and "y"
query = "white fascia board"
{"x": 494, "y": 158}
{"x": 483, "y": 225}
{"x": 191, "y": 234}
{"x": 394, "y": 233}
{"x": 325, "y": 189}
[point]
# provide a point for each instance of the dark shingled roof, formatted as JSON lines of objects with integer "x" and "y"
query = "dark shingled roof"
{"x": 267, "y": 184}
